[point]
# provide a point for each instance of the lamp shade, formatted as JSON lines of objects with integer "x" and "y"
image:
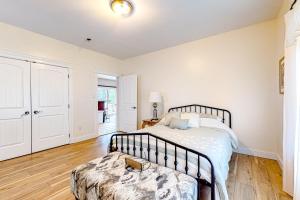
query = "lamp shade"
{"x": 155, "y": 97}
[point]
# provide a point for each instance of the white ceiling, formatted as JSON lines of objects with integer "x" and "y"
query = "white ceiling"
{"x": 155, "y": 24}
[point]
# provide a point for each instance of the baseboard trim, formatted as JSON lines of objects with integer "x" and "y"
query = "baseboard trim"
{"x": 258, "y": 153}
{"x": 262, "y": 154}
{"x": 280, "y": 162}
{"x": 83, "y": 138}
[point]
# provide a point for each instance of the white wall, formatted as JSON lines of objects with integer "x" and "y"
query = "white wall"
{"x": 237, "y": 70}
{"x": 85, "y": 65}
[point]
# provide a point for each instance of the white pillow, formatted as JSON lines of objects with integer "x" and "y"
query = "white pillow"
{"x": 167, "y": 118}
{"x": 193, "y": 119}
{"x": 214, "y": 123}
{"x": 210, "y": 122}
{"x": 202, "y": 115}
{"x": 181, "y": 124}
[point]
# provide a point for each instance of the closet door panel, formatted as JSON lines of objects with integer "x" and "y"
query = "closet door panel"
{"x": 15, "y": 118}
{"x": 50, "y": 106}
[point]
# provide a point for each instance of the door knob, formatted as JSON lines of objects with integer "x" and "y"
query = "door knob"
{"x": 133, "y": 107}
{"x": 36, "y": 112}
{"x": 25, "y": 113}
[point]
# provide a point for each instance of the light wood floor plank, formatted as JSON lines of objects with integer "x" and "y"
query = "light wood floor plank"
{"x": 231, "y": 181}
{"x": 261, "y": 179}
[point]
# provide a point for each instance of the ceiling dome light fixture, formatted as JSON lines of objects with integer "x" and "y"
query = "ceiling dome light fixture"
{"x": 121, "y": 7}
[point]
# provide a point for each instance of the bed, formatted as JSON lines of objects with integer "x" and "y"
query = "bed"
{"x": 203, "y": 153}
{"x": 196, "y": 158}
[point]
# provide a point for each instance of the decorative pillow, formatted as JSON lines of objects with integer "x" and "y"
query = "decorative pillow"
{"x": 193, "y": 119}
{"x": 181, "y": 124}
{"x": 203, "y": 115}
{"x": 167, "y": 118}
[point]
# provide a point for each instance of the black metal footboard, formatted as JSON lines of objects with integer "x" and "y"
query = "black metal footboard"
{"x": 137, "y": 140}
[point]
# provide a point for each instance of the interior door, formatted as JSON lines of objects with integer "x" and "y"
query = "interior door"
{"x": 127, "y": 103}
{"x": 15, "y": 118}
{"x": 49, "y": 86}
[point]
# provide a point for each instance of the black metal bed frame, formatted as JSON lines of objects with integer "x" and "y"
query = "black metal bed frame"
{"x": 293, "y": 4}
{"x": 224, "y": 114}
{"x": 138, "y": 140}
{"x": 138, "y": 136}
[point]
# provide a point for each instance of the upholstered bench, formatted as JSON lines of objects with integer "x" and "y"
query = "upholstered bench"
{"x": 107, "y": 178}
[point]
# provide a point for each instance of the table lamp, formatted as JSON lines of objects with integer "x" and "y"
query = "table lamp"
{"x": 155, "y": 98}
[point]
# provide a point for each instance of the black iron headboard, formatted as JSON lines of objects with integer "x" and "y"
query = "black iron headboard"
{"x": 225, "y": 115}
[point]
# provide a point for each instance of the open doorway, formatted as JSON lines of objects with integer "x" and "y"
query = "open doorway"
{"x": 107, "y": 104}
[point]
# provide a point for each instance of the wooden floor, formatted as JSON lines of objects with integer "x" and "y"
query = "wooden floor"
{"x": 45, "y": 175}
{"x": 253, "y": 178}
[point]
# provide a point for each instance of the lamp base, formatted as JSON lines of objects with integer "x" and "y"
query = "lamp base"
{"x": 154, "y": 112}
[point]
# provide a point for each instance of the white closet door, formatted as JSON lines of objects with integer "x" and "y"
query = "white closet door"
{"x": 127, "y": 103}
{"x": 49, "y": 86}
{"x": 15, "y": 118}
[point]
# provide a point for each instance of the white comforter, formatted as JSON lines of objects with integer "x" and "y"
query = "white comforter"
{"x": 216, "y": 143}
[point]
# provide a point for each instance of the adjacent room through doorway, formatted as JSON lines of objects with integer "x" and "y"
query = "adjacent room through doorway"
{"x": 107, "y": 104}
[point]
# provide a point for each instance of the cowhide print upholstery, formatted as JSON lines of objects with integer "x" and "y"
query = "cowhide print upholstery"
{"x": 106, "y": 178}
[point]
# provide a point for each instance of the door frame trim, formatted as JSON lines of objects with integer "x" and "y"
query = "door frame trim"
{"x": 96, "y": 100}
